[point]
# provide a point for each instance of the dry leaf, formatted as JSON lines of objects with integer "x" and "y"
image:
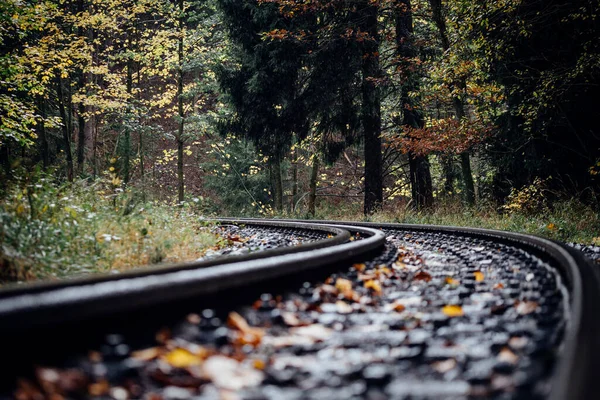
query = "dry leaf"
{"x": 526, "y": 307}
{"x": 147, "y": 354}
{"x": 398, "y": 306}
{"x": 373, "y": 285}
{"x": 450, "y": 281}
{"x": 249, "y": 334}
{"x": 344, "y": 286}
{"x": 343, "y": 307}
{"x": 453, "y": 311}
{"x": 259, "y": 364}
{"x": 183, "y": 358}
{"x": 359, "y": 267}
{"x": 290, "y": 319}
{"x": 479, "y": 276}
{"x": 499, "y": 285}
{"x": 422, "y": 276}
{"x": 507, "y": 356}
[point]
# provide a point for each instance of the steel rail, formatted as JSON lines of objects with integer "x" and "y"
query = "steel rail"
{"x": 29, "y": 306}
{"x": 576, "y": 375}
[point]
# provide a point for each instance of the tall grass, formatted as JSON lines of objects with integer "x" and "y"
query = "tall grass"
{"x": 50, "y": 231}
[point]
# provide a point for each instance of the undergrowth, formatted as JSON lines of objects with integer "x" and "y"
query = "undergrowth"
{"x": 565, "y": 220}
{"x": 52, "y": 231}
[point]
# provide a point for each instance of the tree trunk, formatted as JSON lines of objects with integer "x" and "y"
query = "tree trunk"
{"x": 65, "y": 130}
{"x": 5, "y": 160}
{"x": 459, "y": 108}
{"x": 81, "y": 107}
{"x": 312, "y": 196}
{"x": 469, "y": 184}
{"x": 181, "y": 187}
{"x": 371, "y": 113}
{"x": 420, "y": 175}
{"x": 277, "y": 185}
{"x": 44, "y": 150}
{"x": 420, "y": 180}
{"x": 294, "y": 181}
{"x": 449, "y": 174}
{"x": 81, "y": 138}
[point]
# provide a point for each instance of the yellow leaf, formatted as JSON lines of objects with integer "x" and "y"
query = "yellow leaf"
{"x": 450, "y": 281}
{"x": 373, "y": 285}
{"x": 182, "y": 358}
{"x": 453, "y": 311}
{"x": 343, "y": 285}
{"x": 479, "y": 276}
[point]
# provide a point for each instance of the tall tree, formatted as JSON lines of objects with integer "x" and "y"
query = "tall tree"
{"x": 439, "y": 19}
{"x": 420, "y": 175}
{"x": 371, "y": 108}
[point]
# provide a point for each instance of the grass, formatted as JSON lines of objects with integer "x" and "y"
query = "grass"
{"x": 53, "y": 232}
{"x": 566, "y": 220}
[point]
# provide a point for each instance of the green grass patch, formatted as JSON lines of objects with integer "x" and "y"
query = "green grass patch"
{"x": 50, "y": 231}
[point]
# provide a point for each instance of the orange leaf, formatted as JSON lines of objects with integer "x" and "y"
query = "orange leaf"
{"x": 453, "y": 311}
{"x": 422, "y": 276}
{"x": 249, "y": 334}
{"x": 359, "y": 267}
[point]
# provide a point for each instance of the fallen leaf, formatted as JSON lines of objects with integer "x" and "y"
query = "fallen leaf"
{"x": 249, "y": 334}
{"x": 373, "y": 285}
{"x": 450, "y": 281}
{"x": 479, "y": 276}
{"x": 499, "y": 285}
{"x": 422, "y": 276}
{"x": 259, "y": 364}
{"x": 183, "y": 358}
{"x": 147, "y": 354}
{"x": 343, "y": 307}
{"x": 398, "y": 306}
{"x": 507, "y": 356}
{"x": 230, "y": 374}
{"x": 453, "y": 311}
{"x": 290, "y": 319}
{"x": 526, "y": 307}
{"x": 344, "y": 286}
{"x": 359, "y": 267}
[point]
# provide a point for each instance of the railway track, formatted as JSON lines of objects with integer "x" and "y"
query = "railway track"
{"x": 336, "y": 310}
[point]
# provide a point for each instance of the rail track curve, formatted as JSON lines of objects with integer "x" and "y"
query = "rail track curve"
{"x": 70, "y": 314}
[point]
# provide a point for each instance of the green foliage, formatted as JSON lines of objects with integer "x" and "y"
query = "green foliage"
{"x": 53, "y": 231}
{"x": 238, "y": 177}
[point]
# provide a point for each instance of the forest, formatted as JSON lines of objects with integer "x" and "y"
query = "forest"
{"x": 124, "y": 124}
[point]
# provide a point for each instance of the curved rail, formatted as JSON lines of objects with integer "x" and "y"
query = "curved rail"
{"x": 22, "y": 308}
{"x": 577, "y": 371}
